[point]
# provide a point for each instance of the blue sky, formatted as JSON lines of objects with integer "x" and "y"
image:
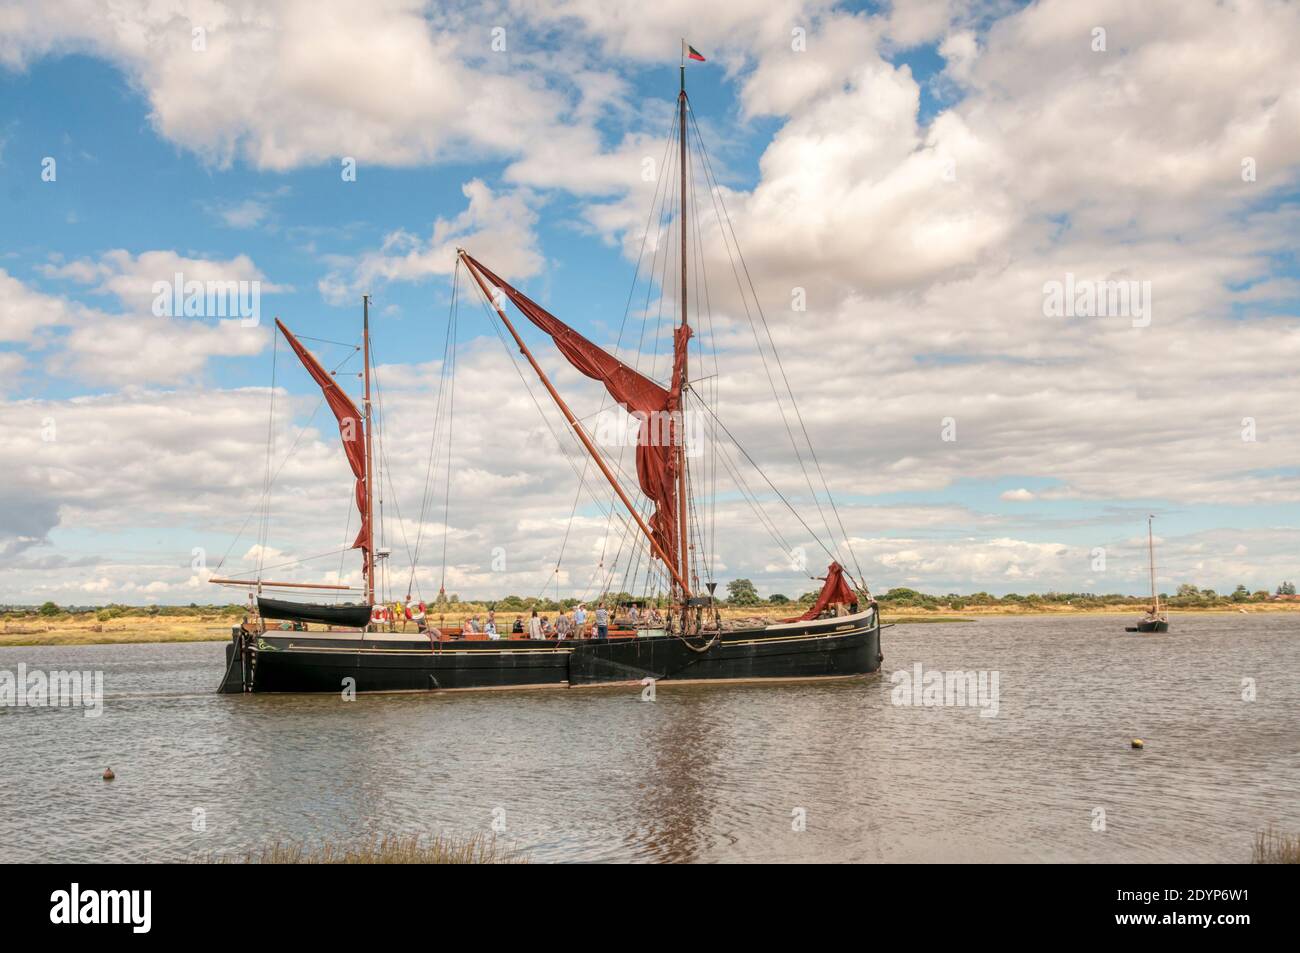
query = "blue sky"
{"x": 928, "y": 297}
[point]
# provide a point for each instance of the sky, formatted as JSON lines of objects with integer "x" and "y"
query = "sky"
{"x": 931, "y": 180}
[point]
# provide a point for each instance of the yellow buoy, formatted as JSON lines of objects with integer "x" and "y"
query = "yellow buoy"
{"x": 1138, "y": 743}
{"x": 108, "y": 774}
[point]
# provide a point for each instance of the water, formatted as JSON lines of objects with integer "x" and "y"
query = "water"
{"x": 702, "y": 773}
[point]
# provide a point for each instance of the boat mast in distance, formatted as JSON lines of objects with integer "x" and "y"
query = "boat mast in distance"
{"x": 1151, "y": 557}
{"x": 1154, "y": 620}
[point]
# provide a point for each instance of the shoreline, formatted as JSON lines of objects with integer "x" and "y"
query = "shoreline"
{"x": 216, "y": 628}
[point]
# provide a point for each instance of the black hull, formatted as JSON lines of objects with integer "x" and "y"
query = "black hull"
{"x": 346, "y": 616}
{"x": 826, "y": 648}
{"x": 294, "y": 667}
{"x": 816, "y": 650}
{"x": 1159, "y": 625}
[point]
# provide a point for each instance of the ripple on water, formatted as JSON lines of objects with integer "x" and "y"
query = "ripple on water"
{"x": 707, "y": 773}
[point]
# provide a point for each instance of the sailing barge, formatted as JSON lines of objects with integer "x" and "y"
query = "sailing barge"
{"x": 838, "y": 637}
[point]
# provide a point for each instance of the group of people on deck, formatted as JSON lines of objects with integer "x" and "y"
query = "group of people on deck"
{"x": 566, "y": 625}
{"x": 579, "y": 624}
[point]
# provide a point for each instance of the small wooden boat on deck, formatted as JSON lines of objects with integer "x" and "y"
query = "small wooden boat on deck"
{"x": 347, "y": 615}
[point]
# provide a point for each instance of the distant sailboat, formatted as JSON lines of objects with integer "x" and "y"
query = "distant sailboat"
{"x": 1154, "y": 620}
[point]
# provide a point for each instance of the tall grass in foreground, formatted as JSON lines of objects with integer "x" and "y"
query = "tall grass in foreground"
{"x": 1274, "y": 848}
{"x": 386, "y": 849}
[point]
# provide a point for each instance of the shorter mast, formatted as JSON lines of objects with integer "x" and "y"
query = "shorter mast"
{"x": 577, "y": 427}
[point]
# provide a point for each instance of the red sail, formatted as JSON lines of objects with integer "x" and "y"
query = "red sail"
{"x": 658, "y": 409}
{"x": 350, "y": 429}
{"x": 836, "y": 589}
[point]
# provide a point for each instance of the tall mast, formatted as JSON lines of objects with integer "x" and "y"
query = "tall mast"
{"x": 1151, "y": 556}
{"x": 370, "y": 454}
{"x": 679, "y": 342}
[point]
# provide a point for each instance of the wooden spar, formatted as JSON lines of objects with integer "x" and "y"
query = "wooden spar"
{"x": 578, "y": 429}
{"x": 370, "y": 452}
{"x": 1151, "y": 555}
{"x": 259, "y": 583}
{"x": 680, "y": 442}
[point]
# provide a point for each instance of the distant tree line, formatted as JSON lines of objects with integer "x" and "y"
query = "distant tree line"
{"x": 740, "y": 593}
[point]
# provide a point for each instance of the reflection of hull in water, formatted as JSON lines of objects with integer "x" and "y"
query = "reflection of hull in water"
{"x": 308, "y": 662}
{"x": 348, "y": 615}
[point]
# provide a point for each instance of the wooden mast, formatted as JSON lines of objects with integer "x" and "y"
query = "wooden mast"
{"x": 1151, "y": 557}
{"x": 680, "y": 342}
{"x": 370, "y": 453}
{"x": 668, "y": 560}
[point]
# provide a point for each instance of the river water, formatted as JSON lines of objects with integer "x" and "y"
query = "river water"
{"x": 791, "y": 772}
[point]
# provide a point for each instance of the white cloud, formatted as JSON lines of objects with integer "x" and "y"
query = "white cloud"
{"x": 133, "y": 345}
{"x": 26, "y": 314}
{"x": 392, "y": 82}
{"x": 1017, "y": 496}
{"x": 246, "y": 214}
{"x": 131, "y": 279}
{"x": 496, "y": 228}
{"x": 923, "y": 248}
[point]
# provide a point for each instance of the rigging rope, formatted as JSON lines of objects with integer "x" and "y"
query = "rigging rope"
{"x": 453, "y": 332}
{"x": 426, "y": 498}
{"x": 265, "y": 497}
{"x": 264, "y": 530}
{"x": 769, "y": 482}
{"x": 386, "y": 471}
{"x": 611, "y": 511}
{"x": 719, "y": 200}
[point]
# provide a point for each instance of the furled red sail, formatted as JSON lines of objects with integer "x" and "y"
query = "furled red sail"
{"x": 835, "y": 589}
{"x": 657, "y": 408}
{"x": 350, "y": 429}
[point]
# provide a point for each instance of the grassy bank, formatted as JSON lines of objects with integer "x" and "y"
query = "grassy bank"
{"x": 183, "y": 624}
{"x": 1272, "y": 847}
{"x": 85, "y": 629}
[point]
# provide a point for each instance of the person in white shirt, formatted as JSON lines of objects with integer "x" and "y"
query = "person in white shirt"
{"x": 534, "y": 626}
{"x": 491, "y": 627}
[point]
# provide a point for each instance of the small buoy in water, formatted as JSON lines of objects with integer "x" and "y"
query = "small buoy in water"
{"x": 108, "y": 774}
{"x": 1138, "y": 743}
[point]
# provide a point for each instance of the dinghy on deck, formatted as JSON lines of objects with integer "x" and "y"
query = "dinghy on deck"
{"x": 348, "y": 615}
